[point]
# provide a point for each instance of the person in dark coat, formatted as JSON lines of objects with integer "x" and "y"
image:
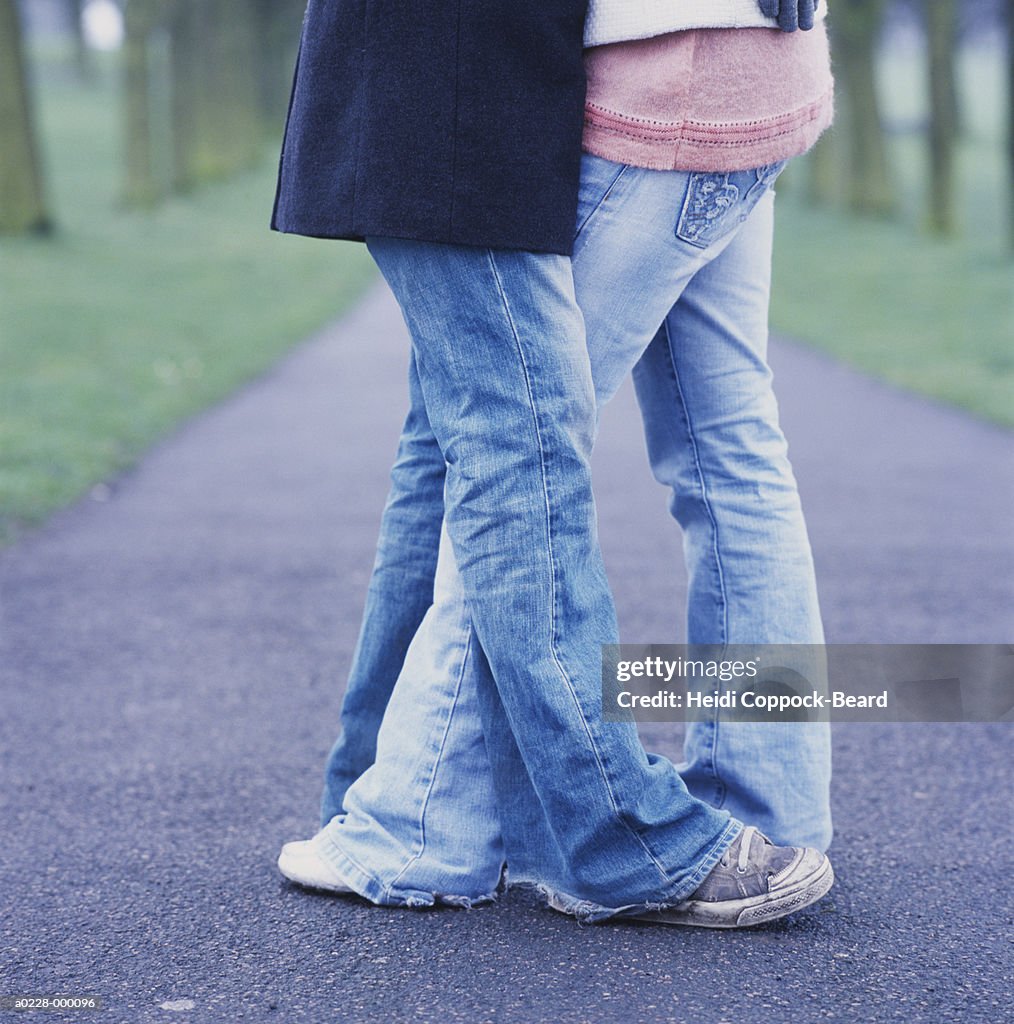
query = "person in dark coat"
{"x": 448, "y": 137}
{"x": 444, "y": 122}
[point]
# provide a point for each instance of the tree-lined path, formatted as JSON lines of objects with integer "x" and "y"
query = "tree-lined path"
{"x": 172, "y": 652}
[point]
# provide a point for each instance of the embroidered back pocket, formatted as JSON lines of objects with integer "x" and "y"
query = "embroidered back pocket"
{"x": 716, "y": 203}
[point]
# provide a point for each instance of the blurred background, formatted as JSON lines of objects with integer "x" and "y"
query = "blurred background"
{"x": 139, "y": 281}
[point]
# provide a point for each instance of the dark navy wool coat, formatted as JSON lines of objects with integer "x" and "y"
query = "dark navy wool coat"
{"x": 452, "y": 121}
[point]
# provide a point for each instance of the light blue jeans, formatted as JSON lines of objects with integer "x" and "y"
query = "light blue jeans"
{"x": 671, "y": 271}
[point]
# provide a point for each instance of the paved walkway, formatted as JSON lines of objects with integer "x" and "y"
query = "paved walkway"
{"x": 172, "y": 651}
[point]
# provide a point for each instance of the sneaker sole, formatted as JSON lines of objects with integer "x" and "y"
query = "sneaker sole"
{"x": 749, "y": 912}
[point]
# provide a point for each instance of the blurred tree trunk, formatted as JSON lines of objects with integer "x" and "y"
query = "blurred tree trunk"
{"x": 185, "y": 58}
{"x": 941, "y": 33}
{"x": 277, "y": 32}
{"x": 141, "y": 186}
{"x": 216, "y": 117}
{"x": 1010, "y": 117}
{"x": 233, "y": 67}
{"x": 82, "y": 55}
{"x": 822, "y": 185}
{"x": 230, "y": 70}
{"x": 22, "y": 204}
{"x": 856, "y": 28}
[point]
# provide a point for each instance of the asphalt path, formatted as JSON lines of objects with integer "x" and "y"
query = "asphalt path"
{"x": 173, "y": 650}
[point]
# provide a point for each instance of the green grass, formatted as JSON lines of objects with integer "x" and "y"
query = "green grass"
{"x": 123, "y": 323}
{"x": 933, "y": 315}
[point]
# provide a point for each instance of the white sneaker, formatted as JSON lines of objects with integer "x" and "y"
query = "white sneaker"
{"x": 300, "y": 863}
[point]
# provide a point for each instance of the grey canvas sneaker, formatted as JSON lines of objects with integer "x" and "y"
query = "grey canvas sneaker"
{"x": 754, "y": 882}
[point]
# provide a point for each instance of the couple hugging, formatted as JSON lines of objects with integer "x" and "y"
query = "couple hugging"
{"x": 559, "y": 194}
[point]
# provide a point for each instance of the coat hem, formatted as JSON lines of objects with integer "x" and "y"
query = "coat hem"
{"x": 477, "y": 240}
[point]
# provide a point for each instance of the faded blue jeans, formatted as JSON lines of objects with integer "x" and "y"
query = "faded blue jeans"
{"x": 671, "y": 271}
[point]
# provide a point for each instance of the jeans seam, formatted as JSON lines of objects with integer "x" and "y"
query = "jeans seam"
{"x": 713, "y": 730}
{"x": 722, "y": 791}
{"x": 433, "y": 774}
{"x": 552, "y": 571}
{"x": 605, "y": 195}
{"x": 715, "y": 547}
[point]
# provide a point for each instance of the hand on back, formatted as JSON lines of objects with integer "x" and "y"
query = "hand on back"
{"x": 791, "y": 14}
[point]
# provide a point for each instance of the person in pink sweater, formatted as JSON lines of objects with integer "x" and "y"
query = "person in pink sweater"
{"x": 685, "y": 134}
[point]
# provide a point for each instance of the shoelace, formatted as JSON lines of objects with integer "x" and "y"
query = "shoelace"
{"x": 743, "y": 859}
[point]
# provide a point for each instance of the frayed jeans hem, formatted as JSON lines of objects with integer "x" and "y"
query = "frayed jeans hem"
{"x": 589, "y": 912}
{"x": 384, "y": 894}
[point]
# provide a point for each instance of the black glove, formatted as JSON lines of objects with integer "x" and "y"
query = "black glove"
{"x": 791, "y": 14}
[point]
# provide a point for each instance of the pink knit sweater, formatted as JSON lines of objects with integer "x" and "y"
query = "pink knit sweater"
{"x": 708, "y": 99}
